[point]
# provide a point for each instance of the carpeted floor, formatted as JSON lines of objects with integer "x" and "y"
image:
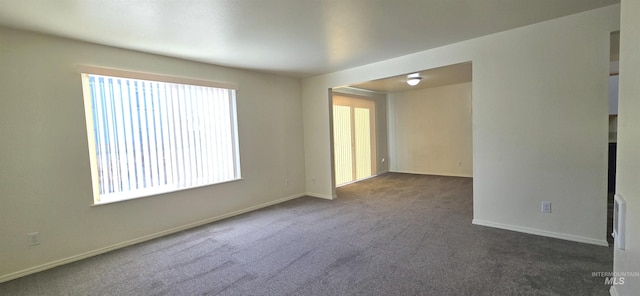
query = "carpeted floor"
{"x": 396, "y": 234}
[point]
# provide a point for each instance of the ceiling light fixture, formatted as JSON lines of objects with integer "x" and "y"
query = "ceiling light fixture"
{"x": 413, "y": 79}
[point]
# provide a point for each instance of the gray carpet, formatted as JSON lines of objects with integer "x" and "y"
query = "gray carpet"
{"x": 396, "y": 234}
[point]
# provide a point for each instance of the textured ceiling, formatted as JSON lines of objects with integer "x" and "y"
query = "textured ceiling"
{"x": 294, "y": 37}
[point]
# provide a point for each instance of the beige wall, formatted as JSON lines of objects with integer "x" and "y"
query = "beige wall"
{"x": 628, "y": 158}
{"x": 430, "y": 131}
{"x": 540, "y": 122}
{"x": 45, "y": 183}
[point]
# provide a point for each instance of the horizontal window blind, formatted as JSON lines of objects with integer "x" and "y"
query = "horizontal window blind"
{"x": 151, "y": 137}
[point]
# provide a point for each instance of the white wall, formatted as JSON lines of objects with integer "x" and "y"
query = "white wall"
{"x": 613, "y": 94}
{"x": 430, "y": 131}
{"x": 540, "y": 122}
{"x": 45, "y": 183}
{"x": 628, "y": 158}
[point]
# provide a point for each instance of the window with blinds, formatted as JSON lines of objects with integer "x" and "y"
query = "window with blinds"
{"x": 354, "y": 139}
{"x": 151, "y": 137}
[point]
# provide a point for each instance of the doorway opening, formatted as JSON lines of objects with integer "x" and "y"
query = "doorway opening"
{"x": 415, "y": 128}
{"x": 613, "y": 128}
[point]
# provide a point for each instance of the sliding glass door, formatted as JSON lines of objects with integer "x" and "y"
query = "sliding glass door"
{"x": 354, "y": 138}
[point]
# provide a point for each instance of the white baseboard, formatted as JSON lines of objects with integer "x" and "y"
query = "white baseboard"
{"x": 564, "y": 236}
{"x": 432, "y": 174}
{"x": 613, "y": 291}
{"x": 319, "y": 195}
{"x": 31, "y": 270}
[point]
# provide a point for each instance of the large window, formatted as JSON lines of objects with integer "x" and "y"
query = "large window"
{"x": 148, "y": 137}
{"x": 354, "y": 139}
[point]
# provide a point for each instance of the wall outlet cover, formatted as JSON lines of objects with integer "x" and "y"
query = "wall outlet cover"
{"x": 546, "y": 207}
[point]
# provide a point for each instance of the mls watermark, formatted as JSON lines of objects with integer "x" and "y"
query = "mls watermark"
{"x": 615, "y": 278}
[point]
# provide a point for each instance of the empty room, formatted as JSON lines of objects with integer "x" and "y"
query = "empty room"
{"x": 313, "y": 148}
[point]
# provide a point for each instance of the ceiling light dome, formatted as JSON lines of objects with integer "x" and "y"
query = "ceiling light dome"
{"x": 413, "y": 79}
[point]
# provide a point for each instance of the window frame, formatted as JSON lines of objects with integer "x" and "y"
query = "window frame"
{"x": 85, "y": 71}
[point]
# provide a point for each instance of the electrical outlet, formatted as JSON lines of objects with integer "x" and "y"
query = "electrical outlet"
{"x": 546, "y": 207}
{"x": 286, "y": 182}
{"x": 33, "y": 238}
{"x": 459, "y": 163}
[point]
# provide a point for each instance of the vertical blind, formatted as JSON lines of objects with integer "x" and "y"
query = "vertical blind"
{"x": 343, "y": 148}
{"x": 152, "y": 137}
{"x": 362, "y": 137}
{"x": 353, "y": 139}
